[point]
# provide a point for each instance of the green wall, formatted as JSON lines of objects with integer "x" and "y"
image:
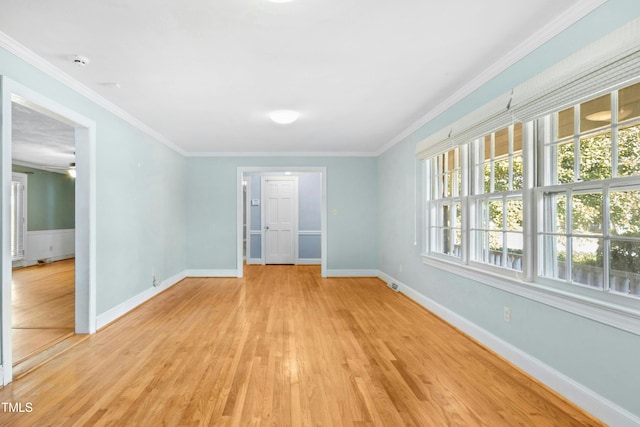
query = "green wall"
{"x": 50, "y": 199}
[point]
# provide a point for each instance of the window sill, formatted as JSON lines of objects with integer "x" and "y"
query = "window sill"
{"x": 616, "y": 315}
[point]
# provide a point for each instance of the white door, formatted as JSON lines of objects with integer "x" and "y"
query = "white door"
{"x": 280, "y": 214}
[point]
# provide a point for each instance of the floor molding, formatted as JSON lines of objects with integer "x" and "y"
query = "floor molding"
{"x": 582, "y": 396}
{"x": 211, "y": 273}
{"x": 109, "y": 316}
{"x": 352, "y": 273}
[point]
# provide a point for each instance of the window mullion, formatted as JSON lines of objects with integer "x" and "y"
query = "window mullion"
{"x": 606, "y": 241}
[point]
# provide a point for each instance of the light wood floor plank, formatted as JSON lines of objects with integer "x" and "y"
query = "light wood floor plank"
{"x": 283, "y": 347}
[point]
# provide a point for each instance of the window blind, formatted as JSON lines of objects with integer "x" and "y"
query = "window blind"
{"x": 612, "y": 61}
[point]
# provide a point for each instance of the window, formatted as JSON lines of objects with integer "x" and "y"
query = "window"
{"x": 446, "y": 203}
{"x": 498, "y": 181}
{"x": 590, "y": 230}
{"x": 584, "y": 194}
{"x": 18, "y": 215}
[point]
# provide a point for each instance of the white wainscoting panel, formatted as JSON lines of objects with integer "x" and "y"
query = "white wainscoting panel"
{"x": 50, "y": 245}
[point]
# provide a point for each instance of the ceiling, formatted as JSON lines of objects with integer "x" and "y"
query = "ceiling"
{"x": 205, "y": 74}
{"x": 40, "y": 141}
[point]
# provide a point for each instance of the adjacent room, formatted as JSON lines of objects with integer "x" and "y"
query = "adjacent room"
{"x": 291, "y": 212}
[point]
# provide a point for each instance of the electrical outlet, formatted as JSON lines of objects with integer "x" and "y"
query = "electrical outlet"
{"x": 507, "y": 314}
{"x": 400, "y": 268}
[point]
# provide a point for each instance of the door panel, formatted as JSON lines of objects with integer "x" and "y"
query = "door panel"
{"x": 281, "y": 206}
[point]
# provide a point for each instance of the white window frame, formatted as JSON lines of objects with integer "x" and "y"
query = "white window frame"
{"x": 19, "y": 218}
{"x": 609, "y": 63}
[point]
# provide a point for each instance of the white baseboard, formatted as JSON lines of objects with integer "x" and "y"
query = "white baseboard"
{"x": 211, "y": 273}
{"x": 308, "y": 261}
{"x": 582, "y": 396}
{"x": 110, "y": 315}
{"x": 29, "y": 263}
{"x": 352, "y": 273}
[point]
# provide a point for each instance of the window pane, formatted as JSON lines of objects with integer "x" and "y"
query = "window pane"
{"x": 595, "y": 114}
{"x": 555, "y": 257}
{"x": 487, "y": 147}
{"x": 501, "y": 143}
{"x": 451, "y": 160}
{"x": 595, "y": 157}
{"x": 629, "y": 151}
{"x": 587, "y": 213}
{"x": 555, "y": 205}
{"x": 487, "y": 177}
{"x": 565, "y": 159}
{"x": 518, "y": 175}
{"x": 495, "y": 215}
{"x": 517, "y": 138}
{"x": 446, "y": 241}
{"x": 448, "y": 185}
{"x": 565, "y": 123}
{"x": 514, "y": 251}
{"x": 587, "y": 266}
{"x": 482, "y": 247}
{"x": 457, "y": 242}
{"x": 625, "y": 266}
{"x": 457, "y": 215}
{"x": 629, "y": 102}
{"x": 501, "y": 175}
{"x": 624, "y": 213}
{"x": 514, "y": 214}
{"x": 495, "y": 248}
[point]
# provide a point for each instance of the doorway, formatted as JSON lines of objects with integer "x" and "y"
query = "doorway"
{"x": 82, "y": 134}
{"x": 310, "y": 237}
{"x": 42, "y": 237}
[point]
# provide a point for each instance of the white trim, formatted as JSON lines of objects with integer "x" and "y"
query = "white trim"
{"x": 352, "y": 273}
{"x": 322, "y": 170}
{"x": 46, "y": 67}
{"x": 85, "y": 209}
{"x": 254, "y": 261}
{"x": 121, "y": 309}
{"x": 31, "y": 262}
{"x": 277, "y": 154}
{"x": 309, "y": 232}
{"x": 618, "y": 316}
{"x": 211, "y": 273}
{"x": 602, "y": 408}
{"x": 546, "y": 33}
{"x": 308, "y": 261}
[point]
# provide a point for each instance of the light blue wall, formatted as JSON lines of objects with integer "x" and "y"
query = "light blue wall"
{"x": 140, "y": 194}
{"x": 588, "y": 352}
{"x": 309, "y": 212}
{"x": 352, "y": 192}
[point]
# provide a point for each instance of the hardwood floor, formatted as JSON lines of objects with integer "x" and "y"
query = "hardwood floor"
{"x": 283, "y": 347}
{"x": 43, "y": 298}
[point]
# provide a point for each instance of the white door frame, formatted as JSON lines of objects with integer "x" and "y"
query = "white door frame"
{"x": 322, "y": 170}
{"x": 85, "y": 210}
{"x": 263, "y": 213}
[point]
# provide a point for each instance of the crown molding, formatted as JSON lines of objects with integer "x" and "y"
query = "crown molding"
{"x": 546, "y": 33}
{"x": 278, "y": 154}
{"x": 30, "y": 57}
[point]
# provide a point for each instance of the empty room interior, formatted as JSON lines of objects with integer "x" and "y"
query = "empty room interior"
{"x": 292, "y": 212}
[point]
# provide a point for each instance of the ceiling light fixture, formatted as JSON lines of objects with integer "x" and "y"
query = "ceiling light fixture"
{"x": 284, "y": 117}
{"x": 605, "y": 116}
